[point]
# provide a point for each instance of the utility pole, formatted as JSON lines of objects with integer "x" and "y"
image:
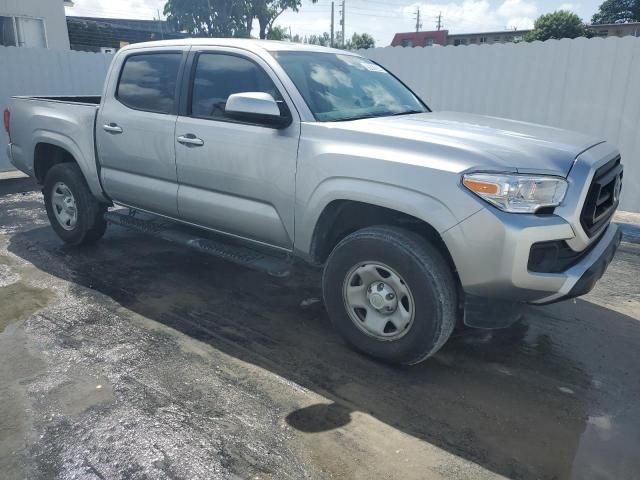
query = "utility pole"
{"x": 439, "y": 20}
{"x": 160, "y": 25}
{"x": 332, "y": 23}
{"x": 418, "y": 24}
{"x": 342, "y": 21}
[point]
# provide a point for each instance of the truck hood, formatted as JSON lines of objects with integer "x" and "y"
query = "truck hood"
{"x": 482, "y": 142}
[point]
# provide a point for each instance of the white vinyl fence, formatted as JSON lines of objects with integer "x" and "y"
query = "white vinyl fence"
{"x": 587, "y": 85}
{"x": 41, "y": 71}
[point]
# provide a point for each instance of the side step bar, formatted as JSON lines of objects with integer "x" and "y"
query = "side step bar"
{"x": 203, "y": 241}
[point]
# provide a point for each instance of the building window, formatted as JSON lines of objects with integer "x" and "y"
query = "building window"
{"x": 602, "y": 33}
{"x": 483, "y": 39}
{"x": 472, "y": 40}
{"x": 428, "y": 42}
{"x": 497, "y": 39}
{"x": 22, "y": 32}
{"x": 407, "y": 43}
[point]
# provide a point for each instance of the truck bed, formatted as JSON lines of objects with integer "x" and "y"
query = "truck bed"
{"x": 66, "y": 122}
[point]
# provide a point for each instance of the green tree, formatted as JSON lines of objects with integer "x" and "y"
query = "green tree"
{"x": 268, "y": 11}
{"x": 210, "y": 18}
{"x": 226, "y": 18}
{"x": 277, "y": 32}
{"x": 323, "y": 40}
{"x": 559, "y": 24}
{"x": 358, "y": 41}
{"x": 617, "y": 11}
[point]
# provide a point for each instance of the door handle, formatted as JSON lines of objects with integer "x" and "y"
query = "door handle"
{"x": 112, "y": 128}
{"x": 190, "y": 140}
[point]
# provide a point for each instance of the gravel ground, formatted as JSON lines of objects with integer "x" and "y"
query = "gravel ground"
{"x": 136, "y": 359}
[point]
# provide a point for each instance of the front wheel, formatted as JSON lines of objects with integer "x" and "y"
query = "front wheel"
{"x": 75, "y": 214}
{"x": 391, "y": 294}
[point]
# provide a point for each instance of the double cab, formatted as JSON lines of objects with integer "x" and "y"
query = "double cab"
{"x": 265, "y": 152}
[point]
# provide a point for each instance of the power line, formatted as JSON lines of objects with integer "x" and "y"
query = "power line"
{"x": 418, "y": 24}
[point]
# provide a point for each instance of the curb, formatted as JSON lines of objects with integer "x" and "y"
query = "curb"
{"x": 630, "y": 232}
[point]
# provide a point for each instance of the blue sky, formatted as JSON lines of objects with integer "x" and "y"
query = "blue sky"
{"x": 381, "y": 18}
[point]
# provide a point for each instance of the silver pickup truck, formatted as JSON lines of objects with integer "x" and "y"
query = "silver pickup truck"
{"x": 263, "y": 152}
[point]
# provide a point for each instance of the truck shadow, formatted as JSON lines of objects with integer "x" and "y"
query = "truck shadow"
{"x": 526, "y": 402}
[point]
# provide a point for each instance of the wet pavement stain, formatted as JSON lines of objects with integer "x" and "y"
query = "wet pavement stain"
{"x": 19, "y": 300}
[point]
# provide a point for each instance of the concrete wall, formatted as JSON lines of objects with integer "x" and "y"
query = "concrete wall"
{"x": 587, "y": 85}
{"x": 51, "y": 11}
{"x": 39, "y": 71}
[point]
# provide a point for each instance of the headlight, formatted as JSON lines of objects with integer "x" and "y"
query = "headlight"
{"x": 517, "y": 193}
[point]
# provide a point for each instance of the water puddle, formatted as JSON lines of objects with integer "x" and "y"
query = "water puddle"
{"x": 19, "y": 300}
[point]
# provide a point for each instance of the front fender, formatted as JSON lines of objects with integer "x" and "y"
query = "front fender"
{"x": 417, "y": 204}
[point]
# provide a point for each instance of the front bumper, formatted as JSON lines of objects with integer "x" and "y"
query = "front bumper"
{"x": 591, "y": 269}
{"x": 491, "y": 251}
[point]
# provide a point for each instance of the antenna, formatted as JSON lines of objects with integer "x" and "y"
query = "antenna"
{"x": 418, "y": 24}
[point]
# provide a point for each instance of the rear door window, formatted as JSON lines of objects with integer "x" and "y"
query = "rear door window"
{"x": 148, "y": 82}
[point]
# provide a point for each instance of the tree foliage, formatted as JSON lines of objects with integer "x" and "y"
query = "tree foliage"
{"x": 617, "y": 11}
{"x": 268, "y": 11}
{"x": 277, "y": 32}
{"x": 360, "y": 40}
{"x": 357, "y": 41}
{"x": 227, "y": 18}
{"x": 559, "y": 24}
{"x": 209, "y": 18}
{"x": 323, "y": 40}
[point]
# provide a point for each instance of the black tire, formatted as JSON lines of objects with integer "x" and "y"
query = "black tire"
{"x": 90, "y": 224}
{"x": 425, "y": 271}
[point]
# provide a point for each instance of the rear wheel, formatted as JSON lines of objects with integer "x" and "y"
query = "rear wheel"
{"x": 391, "y": 294}
{"x": 75, "y": 214}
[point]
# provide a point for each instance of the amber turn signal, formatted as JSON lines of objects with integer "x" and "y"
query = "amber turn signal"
{"x": 480, "y": 187}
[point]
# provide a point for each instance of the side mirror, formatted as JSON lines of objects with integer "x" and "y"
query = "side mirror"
{"x": 256, "y": 107}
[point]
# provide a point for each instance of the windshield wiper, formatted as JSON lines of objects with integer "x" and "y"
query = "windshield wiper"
{"x": 377, "y": 115}
{"x": 408, "y": 112}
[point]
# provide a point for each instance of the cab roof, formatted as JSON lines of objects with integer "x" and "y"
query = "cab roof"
{"x": 245, "y": 43}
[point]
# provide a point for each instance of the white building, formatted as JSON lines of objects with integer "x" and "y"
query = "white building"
{"x": 34, "y": 23}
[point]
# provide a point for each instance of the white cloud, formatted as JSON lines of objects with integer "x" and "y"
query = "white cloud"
{"x": 572, "y": 7}
{"x": 478, "y": 15}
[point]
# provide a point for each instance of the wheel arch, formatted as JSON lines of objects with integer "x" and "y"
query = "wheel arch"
{"x": 342, "y": 217}
{"x": 50, "y": 148}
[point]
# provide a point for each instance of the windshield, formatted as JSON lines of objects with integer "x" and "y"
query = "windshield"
{"x": 347, "y": 87}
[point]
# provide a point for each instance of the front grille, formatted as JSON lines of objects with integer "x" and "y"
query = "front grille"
{"x": 603, "y": 197}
